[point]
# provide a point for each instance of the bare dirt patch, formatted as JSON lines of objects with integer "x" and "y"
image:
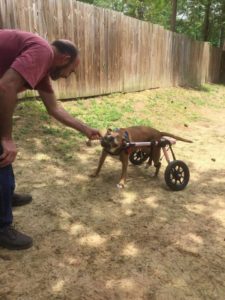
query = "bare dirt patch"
{"x": 94, "y": 241}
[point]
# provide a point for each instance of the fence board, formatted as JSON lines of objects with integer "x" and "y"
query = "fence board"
{"x": 118, "y": 53}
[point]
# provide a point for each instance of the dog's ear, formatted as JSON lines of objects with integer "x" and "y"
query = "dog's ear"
{"x": 109, "y": 131}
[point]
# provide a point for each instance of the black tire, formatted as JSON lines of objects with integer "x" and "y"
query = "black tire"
{"x": 138, "y": 157}
{"x": 177, "y": 175}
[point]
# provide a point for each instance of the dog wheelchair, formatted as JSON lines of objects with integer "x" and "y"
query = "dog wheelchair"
{"x": 176, "y": 173}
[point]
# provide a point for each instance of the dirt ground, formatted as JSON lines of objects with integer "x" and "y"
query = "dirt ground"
{"x": 93, "y": 241}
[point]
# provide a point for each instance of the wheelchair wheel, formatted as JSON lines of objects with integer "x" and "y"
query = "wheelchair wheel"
{"x": 138, "y": 157}
{"x": 177, "y": 175}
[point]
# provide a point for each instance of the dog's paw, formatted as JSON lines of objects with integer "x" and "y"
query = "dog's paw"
{"x": 93, "y": 175}
{"x": 120, "y": 186}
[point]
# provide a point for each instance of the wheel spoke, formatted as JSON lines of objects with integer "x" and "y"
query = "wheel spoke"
{"x": 176, "y": 181}
{"x": 181, "y": 180}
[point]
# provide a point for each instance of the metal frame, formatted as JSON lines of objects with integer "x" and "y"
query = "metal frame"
{"x": 165, "y": 143}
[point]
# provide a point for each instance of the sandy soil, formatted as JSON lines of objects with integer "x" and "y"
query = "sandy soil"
{"x": 93, "y": 241}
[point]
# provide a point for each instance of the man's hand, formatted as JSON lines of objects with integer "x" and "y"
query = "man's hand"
{"x": 92, "y": 133}
{"x": 9, "y": 152}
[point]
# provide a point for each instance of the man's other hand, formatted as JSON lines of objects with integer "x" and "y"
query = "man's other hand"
{"x": 9, "y": 152}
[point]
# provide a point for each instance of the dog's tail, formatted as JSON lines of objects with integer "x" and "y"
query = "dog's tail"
{"x": 175, "y": 137}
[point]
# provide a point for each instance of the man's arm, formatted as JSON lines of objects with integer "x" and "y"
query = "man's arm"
{"x": 59, "y": 113}
{"x": 10, "y": 84}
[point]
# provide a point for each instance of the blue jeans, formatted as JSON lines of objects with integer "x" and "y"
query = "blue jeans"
{"x": 7, "y": 186}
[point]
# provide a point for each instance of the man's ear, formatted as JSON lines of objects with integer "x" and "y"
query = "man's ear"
{"x": 65, "y": 58}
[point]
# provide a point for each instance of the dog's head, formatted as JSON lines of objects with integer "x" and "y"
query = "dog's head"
{"x": 113, "y": 141}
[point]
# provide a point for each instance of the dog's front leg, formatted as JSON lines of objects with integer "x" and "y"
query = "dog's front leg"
{"x": 124, "y": 160}
{"x": 100, "y": 163}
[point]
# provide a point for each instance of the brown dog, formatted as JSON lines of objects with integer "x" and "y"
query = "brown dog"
{"x": 114, "y": 143}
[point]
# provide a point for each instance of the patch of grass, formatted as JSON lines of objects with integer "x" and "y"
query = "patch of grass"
{"x": 56, "y": 131}
{"x": 23, "y": 131}
{"x": 100, "y": 114}
{"x": 208, "y": 88}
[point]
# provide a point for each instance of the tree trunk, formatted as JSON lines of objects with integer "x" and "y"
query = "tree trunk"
{"x": 222, "y": 28}
{"x": 222, "y": 38}
{"x": 174, "y": 15}
{"x": 141, "y": 10}
{"x": 206, "y": 24}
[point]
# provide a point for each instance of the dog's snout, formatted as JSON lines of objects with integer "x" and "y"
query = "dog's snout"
{"x": 107, "y": 141}
{"x": 111, "y": 138}
{"x": 103, "y": 142}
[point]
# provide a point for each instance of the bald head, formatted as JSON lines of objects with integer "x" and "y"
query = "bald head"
{"x": 66, "y": 47}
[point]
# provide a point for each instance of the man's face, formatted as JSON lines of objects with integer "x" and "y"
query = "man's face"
{"x": 65, "y": 70}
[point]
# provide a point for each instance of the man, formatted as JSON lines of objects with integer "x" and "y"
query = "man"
{"x": 27, "y": 61}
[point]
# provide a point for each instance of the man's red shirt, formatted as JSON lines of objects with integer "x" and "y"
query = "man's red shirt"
{"x": 29, "y": 55}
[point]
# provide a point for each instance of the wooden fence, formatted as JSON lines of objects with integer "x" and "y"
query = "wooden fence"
{"x": 118, "y": 53}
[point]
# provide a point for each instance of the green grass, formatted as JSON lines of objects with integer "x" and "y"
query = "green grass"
{"x": 98, "y": 115}
{"x": 161, "y": 108}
